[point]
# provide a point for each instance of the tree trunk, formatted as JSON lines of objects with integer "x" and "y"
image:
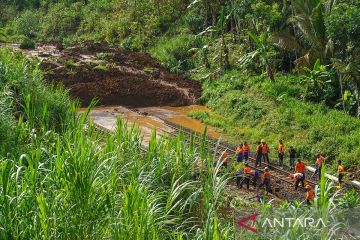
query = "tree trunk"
{"x": 158, "y": 7}
{"x": 270, "y": 72}
{"x": 342, "y": 91}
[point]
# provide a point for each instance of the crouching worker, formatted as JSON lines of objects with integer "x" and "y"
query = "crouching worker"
{"x": 266, "y": 180}
{"x": 247, "y": 175}
{"x": 239, "y": 178}
{"x": 296, "y": 177}
{"x": 310, "y": 194}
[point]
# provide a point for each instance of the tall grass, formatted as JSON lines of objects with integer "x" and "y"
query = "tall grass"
{"x": 66, "y": 180}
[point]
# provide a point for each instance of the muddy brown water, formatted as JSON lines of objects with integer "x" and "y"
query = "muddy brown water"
{"x": 150, "y": 118}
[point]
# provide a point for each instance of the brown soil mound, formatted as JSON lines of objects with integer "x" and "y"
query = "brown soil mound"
{"x": 117, "y": 77}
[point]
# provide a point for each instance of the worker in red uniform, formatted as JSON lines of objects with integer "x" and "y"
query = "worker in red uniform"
{"x": 281, "y": 152}
{"x": 266, "y": 179}
{"x": 239, "y": 153}
{"x": 300, "y": 168}
{"x": 265, "y": 151}
{"x": 246, "y": 152}
{"x": 341, "y": 172}
{"x": 318, "y": 165}
{"x": 310, "y": 194}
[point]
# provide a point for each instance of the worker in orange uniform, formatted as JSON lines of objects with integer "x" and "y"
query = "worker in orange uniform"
{"x": 258, "y": 154}
{"x": 318, "y": 165}
{"x": 265, "y": 151}
{"x": 341, "y": 172}
{"x": 281, "y": 152}
{"x": 247, "y": 175}
{"x": 247, "y": 150}
{"x": 300, "y": 168}
{"x": 239, "y": 153}
{"x": 266, "y": 179}
{"x": 224, "y": 158}
{"x": 310, "y": 194}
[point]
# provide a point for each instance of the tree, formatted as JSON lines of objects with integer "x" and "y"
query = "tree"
{"x": 264, "y": 53}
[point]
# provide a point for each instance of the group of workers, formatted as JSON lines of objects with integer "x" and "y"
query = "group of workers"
{"x": 262, "y": 154}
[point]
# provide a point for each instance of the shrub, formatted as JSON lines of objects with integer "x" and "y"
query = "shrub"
{"x": 174, "y": 52}
{"x": 61, "y": 20}
{"x": 27, "y": 43}
{"x": 28, "y": 23}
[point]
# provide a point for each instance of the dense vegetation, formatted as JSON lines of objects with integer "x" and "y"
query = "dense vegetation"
{"x": 66, "y": 180}
{"x": 270, "y": 69}
{"x": 277, "y": 66}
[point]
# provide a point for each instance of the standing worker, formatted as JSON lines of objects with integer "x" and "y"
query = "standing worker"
{"x": 341, "y": 172}
{"x": 258, "y": 154}
{"x": 292, "y": 155}
{"x": 255, "y": 178}
{"x": 265, "y": 151}
{"x": 310, "y": 194}
{"x": 300, "y": 168}
{"x": 224, "y": 158}
{"x": 319, "y": 162}
{"x": 266, "y": 179}
{"x": 246, "y": 152}
{"x": 281, "y": 151}
{"x": 239, "y": 153}
{"x": 239, "y": 178}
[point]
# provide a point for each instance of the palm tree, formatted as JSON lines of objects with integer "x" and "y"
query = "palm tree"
{"x": 310, "y": 38}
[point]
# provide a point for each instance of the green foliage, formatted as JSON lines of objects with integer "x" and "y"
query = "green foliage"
{"x": 28, "y": 24}
{"x": 174, "y": 52}
{"x": 27, "y": 43}
{"x": 350, "y": 199}
{"x": 60, "y": 21}
{"x": 65, "y": 179}
{"x": 318, "y": 84}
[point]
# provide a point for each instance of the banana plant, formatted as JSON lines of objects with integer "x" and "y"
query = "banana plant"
{"x": 263, "y": 53}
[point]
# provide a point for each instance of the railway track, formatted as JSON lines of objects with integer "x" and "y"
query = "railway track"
{"x": 282, "y": 187}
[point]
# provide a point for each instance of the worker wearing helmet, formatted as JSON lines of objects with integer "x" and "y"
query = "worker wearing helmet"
{"x": 265, "y": 151}
{"x": 310, "y": 194}
{"x": 266, "y": 179}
